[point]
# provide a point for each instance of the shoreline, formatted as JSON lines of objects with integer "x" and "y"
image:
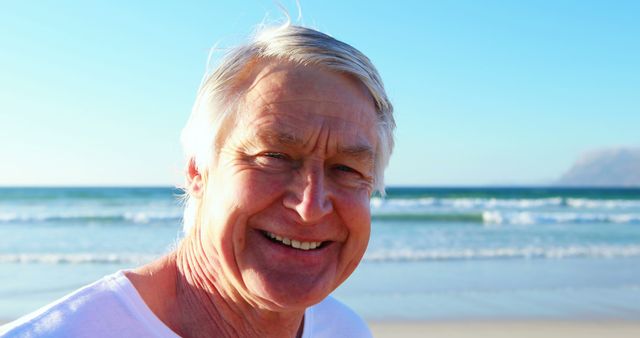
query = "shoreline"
{"x": 534, "y": 328}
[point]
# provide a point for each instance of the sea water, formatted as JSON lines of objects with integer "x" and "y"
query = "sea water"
{"x": 435, "y": 253}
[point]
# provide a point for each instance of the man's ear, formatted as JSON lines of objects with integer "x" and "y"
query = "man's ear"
{"x": 195, "y": 183}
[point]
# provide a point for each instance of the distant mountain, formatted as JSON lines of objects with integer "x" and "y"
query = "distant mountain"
{"x": 617, "y": 167}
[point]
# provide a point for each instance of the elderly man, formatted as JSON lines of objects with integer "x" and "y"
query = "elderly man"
{"x": 287, "y": 141}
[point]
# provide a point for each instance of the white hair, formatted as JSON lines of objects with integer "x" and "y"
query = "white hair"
{"x": 218, "y": 96}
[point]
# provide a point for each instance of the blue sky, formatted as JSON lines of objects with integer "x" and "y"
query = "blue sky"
{"x": 486, "y": 92}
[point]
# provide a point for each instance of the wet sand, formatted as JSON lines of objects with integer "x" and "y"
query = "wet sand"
{"x": 501, "y": 329}
{"x": 506, "y": 329}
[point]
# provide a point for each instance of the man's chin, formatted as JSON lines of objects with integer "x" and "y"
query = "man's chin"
{"x": 289, "y": 295}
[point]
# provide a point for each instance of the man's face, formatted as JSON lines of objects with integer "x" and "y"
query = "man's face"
{"x": 287, "y": 201}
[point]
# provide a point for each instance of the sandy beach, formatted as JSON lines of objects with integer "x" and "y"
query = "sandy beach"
{"x": 506, "y": 329}
{"x": 502, "y": 329}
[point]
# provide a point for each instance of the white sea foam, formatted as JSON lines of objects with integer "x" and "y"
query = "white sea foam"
{"x": 146, "y": 217}
{"x": 584, "y": 203}
{"x": 383, "y": 255}
{"x": 134, "y": 217}
{"x": 501, "y": 203}
{"x": 77, "y": 258}
{"x": 477, "y": 203}
{"x": 529, "y": 252}
{"x": 377, "y": 202}
{"x": 8, "y": 216}
{"x": 464, "y": 203}
{"x": 527, "y": 217}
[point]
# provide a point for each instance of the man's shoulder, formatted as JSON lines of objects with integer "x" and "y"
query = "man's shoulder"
{"x": 331, "y": 318}
{"x": 89, "y": 308}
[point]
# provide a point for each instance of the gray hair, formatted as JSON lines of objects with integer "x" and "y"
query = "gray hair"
{"x": 217, "y": 99}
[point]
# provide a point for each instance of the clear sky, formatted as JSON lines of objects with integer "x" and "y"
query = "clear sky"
{"x": 486, "y": 92}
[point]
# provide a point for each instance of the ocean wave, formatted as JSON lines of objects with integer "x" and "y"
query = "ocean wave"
{"x": 585, "y": 203}
{"x": 495, "y": 217}
{"x": 382, "y": 255}
{"x": 405, "y": 255}
{"x": 378, "y": 203}
{"x": 527, "y": 218}
{"x": 465, "y": 203}
{"x": 428, "y": 217}
{"x": 79, "y": 258}
{"x": 134, "y": 217}
{"x": 485, "y": 217}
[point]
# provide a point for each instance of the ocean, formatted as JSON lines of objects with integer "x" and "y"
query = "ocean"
{"x": 434, "y": 254}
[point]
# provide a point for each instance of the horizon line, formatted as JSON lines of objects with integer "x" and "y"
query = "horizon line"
{"x": 398, "y": 186}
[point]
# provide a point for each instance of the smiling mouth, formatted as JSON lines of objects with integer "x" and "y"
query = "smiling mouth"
{"x": 292, "y": 242}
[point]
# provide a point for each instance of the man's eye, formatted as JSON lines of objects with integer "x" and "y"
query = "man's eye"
{"x": 273, "y": 158}
{"x": 280, "y": 156}
{"x": 344, "y": 168}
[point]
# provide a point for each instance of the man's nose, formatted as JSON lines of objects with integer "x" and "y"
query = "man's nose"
{"x": 309, "y": 195}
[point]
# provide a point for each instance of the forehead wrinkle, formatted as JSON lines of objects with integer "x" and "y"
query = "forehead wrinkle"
{"x": 267, "y": 97}
{"x": 277, "y": 101}
{"x": 353, "y": 116}
{"x": 362, "y": 152}
{"x": 279, "y": 137}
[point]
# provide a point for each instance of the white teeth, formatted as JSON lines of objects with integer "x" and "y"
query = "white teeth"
{"x": 294, "y": 243}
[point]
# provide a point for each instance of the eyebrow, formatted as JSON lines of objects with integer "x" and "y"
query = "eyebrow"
{"x": 361, "y": 151}
{"x": 280, "y": 137}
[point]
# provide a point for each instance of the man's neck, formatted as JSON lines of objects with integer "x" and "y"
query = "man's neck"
{"x": 187, "y": 292}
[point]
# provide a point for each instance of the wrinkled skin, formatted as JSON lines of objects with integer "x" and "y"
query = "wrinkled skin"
{"x": 299, "y": 164}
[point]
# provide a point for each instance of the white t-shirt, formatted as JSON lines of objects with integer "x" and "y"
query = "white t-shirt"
{"x": 112, "y": 307}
